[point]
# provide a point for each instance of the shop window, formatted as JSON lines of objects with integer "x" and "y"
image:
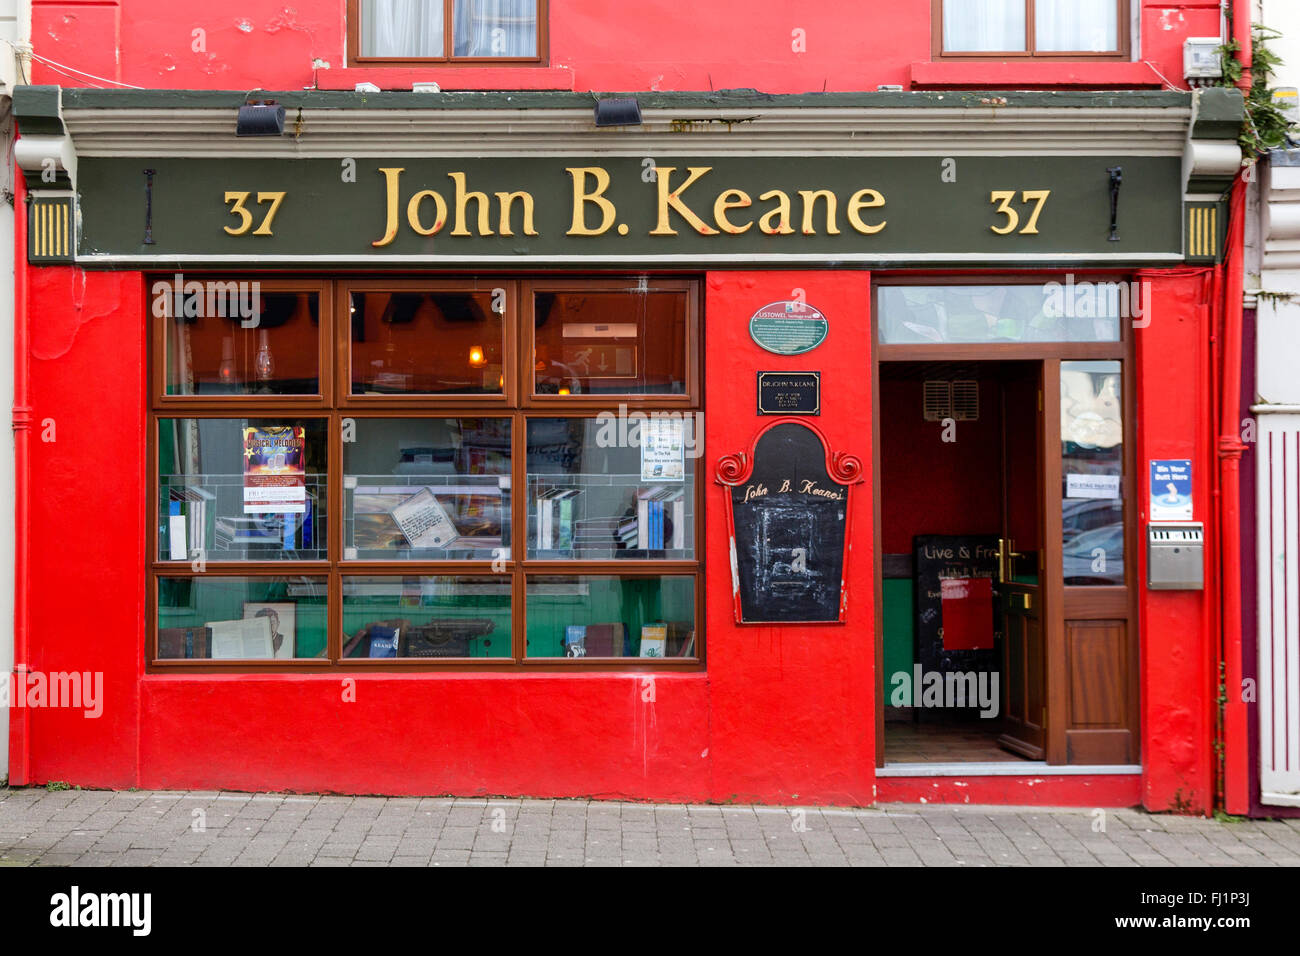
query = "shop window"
{"x": 452, "y": 31}
{"x": 406, "y": 489}
{"x": 1074, "y": 28}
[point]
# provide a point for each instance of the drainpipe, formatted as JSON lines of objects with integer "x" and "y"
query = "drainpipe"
{"x": 1236, "y": 764}
{"x": 1241, "y": 11}
{"x": 19, "y": 728}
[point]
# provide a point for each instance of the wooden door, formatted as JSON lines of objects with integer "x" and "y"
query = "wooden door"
{"x": 1091, "y": 638}
{"x": 1020, "y": 587}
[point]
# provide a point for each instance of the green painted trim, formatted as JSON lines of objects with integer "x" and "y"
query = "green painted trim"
{"x": 1218, "y": 113}
{"x": 547, "y": 99}
{"x": 37, "y": 109}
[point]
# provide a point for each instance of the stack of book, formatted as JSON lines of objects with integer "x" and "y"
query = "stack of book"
{"x": 555, "y": 521}
{"x": 661, "y": 518}
{"x": 594, "y": 640}
{"x": 189, "y": 520}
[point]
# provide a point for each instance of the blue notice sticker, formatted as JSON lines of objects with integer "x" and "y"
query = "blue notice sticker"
{"x": 1171, "y": 489}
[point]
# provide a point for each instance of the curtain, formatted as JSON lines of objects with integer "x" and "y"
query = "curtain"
{"x": 495, "y": 28}
{"x": 401, "y": 28}
{"x": 1076, "y": 25}
{"x": 972, "y": 26}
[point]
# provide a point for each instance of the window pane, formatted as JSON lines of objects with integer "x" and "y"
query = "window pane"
{"x": 401, "y": 28}
{"x": 236, "y": 489}
{"x": 237, "y": 618}
{"x": 230, "y": 338}
{"x": 600, "y": 616}
{"x": 1076, "y": 25}
{"x": 1053, "y": 312}
{"x": 612, "y": 487}
{"x": 426, "y": 343}
{"x": 426, "y": 617}
{"x": 975, "y": 26}
{"x": 1092, "y": 470}
{"x": 496, "y": 28}
{"x": 428, "y": 489}
{"x": 610, "y": 343}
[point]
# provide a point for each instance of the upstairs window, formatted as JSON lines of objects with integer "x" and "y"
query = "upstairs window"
{"x": 1056, "y": 28}
{"x": 403, "y": 31}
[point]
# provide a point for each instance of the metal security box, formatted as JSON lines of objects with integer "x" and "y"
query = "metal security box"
{"x": 1175, "y": 556}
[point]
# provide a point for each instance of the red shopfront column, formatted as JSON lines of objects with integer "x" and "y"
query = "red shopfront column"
{"x": 792, "y": 707}
{"x": 1178, "y": 638}
{"x": 87, "y": 475}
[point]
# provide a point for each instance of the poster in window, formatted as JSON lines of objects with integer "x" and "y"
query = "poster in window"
{"x": 275, "y": 477}
{"x": 663, "y": 452}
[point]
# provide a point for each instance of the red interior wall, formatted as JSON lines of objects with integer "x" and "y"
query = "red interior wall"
{"x": 929, "y": 486}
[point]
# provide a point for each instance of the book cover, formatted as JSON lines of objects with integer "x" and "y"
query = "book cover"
{"x": 383, "y": 640}
{"x": 654, "y": 640}
{"x": 424, "y": 522}
{"x": 575, "y": 641}
{"x": 564, "y": 533}
{"x": 643, "y": 524}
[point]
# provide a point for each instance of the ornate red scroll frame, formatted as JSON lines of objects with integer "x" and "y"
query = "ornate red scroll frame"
{"x": 843, "y": 468}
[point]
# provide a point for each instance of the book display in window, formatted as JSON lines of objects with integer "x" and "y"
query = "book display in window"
{"x": 654, "y": 640}
{"x": 280, "y": 615}
{"x": 428, "y": 517}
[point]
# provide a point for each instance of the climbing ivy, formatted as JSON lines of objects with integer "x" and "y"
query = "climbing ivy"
{"x": 1265, "y": 126}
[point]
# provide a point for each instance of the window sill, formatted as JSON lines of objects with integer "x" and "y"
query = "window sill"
{"x": 450, "y": 78}
{"x": 1019, "y": 75}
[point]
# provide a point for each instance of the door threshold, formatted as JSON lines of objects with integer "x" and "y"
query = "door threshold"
{"x": 1001, "y": 768}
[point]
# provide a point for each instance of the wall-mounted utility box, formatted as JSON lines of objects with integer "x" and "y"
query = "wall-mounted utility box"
{"x": 1201, "y": 58}
{"x": 1176, "y": 556}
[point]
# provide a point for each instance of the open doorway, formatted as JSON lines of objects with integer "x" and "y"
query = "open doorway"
{"x": 961, "y": 529}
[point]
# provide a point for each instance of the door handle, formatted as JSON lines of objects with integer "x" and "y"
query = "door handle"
{"x": 1006, "y": 554}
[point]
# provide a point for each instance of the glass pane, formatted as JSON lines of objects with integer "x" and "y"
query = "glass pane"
{"x": 241, "y": 489}
{"x": 496, "y": 27}
{"x": 1053, "y": 312}
{"x": 1092, "y": 472}
{"x": 975, "y": 26}
{"x": 426, "y": 617}
{"x": 612, "y": 487}
{"x": 429, "y": 489}
{"x": 236, "y": 618}
{"x": 1090, "y": 26}
{"x": 600, "y": 616}
{"x": 231, "y": 338}
{"x": 610, "y": 343}
{"x": 426, "y": 343}
{"x": 401, "y": 28}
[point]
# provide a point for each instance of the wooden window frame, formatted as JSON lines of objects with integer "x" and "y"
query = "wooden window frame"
{"x": 448, "y": 23}
{"x": 335, "y": 403}
{"x": 1123, "y": 37}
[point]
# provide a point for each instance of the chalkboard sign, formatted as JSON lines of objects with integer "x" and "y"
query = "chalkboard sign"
{"x": 957, "y": 558}
{"x": 788, "y": 509}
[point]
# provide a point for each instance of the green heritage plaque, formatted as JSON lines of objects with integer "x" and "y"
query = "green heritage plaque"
{"x": 788, "y": 328}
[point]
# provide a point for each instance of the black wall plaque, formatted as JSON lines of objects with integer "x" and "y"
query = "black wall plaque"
{"x": 951, "y": 556}
{"x": 789, "y": 513}
{"x": 789, "y": 393}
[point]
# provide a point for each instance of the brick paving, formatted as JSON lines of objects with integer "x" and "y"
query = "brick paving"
{"x": 156, "y": 828}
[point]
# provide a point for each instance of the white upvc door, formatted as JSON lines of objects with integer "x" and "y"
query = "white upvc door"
{"x": 1278, "y": 455}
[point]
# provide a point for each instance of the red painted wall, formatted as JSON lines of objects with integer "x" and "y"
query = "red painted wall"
{"x": 1178, "y": 643}
{"x": 778, "y": 46}
{"x": 783, "y": 714}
